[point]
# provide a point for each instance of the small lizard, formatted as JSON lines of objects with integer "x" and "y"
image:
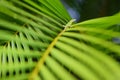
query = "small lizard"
{"x": 68, "y": 25}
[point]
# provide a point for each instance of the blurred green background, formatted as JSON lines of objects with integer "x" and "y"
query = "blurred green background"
{"x": 88, "y": 9}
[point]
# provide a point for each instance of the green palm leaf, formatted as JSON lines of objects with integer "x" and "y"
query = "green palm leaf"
{"x": 40, "y": 41}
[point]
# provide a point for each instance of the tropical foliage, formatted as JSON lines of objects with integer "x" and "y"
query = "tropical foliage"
{"x": 40, "y": 41}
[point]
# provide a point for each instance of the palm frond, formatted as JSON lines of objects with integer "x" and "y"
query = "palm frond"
{"x": 39, "y": 41}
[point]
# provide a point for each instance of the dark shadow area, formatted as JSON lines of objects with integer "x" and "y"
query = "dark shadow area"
{"x": 88, "y": 9}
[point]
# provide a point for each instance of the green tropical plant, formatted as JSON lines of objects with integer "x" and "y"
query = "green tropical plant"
{"x": 40, "y": 41}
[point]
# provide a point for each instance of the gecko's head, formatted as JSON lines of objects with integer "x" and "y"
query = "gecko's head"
{"x": 73, "y": 20}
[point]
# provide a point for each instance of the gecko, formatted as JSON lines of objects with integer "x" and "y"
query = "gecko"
{"x": 68, "y": 25}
